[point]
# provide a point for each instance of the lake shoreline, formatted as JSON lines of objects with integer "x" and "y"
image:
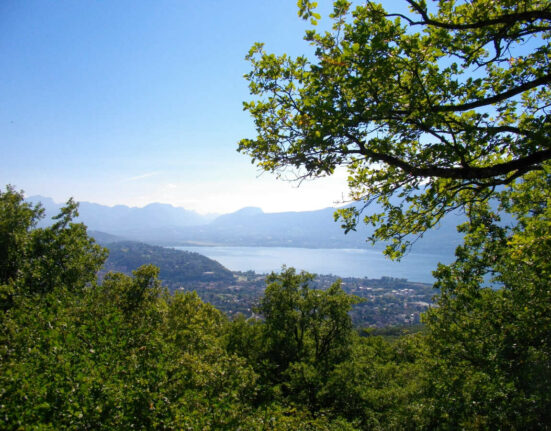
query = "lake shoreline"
{"x": 342, "y": 262}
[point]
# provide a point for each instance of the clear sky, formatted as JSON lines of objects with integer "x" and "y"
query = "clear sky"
{"x": 139, "y": 101}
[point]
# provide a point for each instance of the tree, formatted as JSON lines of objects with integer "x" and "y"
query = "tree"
{"x": 17, "y": 218}
{"x": 306, "y": 332}
{"x": 490, "y": 337}
{"x": 437, "y": 107}
{"x": 441, "y": 108}
{"x": 121, "y": 354}
{"x": 35, "y": 260}
{"x": 305, "y": 324}
{"x": 87, "y": 359}
{"x": 379, "y": 387}
{"x": 62, "y": 254}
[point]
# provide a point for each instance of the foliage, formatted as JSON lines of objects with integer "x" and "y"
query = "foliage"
{"x": 305, "y": 333}
{"x": 126, "y": 354}
{"x": 304, "y": 323}
{"x": 380, "y": 386}
{"x": 39, "y": 260}
{"x": 87, "y": 362}
{"x": 492, "y": 345}
{"x": 364, "y": 381}
{"x": 16, "y": 220}
{"x": 123, "y": 354}
{"x": 435, "y": 107}
{"x": 440, "y": 108}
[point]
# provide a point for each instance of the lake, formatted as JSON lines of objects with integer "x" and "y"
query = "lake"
{"x": 342, "y": 262}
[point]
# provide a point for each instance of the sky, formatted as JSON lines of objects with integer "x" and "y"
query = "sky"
{"x": 139, "y": 101}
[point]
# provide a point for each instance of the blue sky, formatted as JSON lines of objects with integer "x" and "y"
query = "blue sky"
{"x": 139, "y": 101}
{"x": 132, "y": 102}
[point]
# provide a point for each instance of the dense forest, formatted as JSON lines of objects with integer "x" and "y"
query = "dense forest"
{"x": 440, "y": 109}
{"x": 123, "y": 353}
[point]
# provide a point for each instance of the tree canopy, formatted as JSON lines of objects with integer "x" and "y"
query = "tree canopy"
{"x": 437, "y": 106}
{"x": 120, "y": 352}
{"x": 490, "y": 334}
{"x": 38, "y": 260}
{"x": 442, "y": 107}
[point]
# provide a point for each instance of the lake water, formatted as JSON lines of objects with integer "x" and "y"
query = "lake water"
{"x": 342, "y": 262}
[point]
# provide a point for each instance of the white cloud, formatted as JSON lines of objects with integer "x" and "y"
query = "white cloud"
{"x": 141, "y": 177}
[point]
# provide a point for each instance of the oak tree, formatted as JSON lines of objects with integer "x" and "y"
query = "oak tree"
{"x": 489, "y": 338}
{"x": 435, "y": 107}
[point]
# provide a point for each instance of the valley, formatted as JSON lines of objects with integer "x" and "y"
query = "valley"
{"x": 386, "y": 301}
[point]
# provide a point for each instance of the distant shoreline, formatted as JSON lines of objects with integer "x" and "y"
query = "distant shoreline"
{"x": 341, "y": 262}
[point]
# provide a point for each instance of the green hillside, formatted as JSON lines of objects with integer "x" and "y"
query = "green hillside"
{"x": 175, "y": 266}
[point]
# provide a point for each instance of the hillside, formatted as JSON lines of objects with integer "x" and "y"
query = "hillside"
{"x": 175, "y": 266}
{"x": 105, "y": 238}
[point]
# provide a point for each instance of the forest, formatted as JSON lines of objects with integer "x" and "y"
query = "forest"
{"x": 124, "y": 353}
{"x": 445, "y": 108}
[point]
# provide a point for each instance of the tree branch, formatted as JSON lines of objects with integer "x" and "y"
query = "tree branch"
{"x": 523, "y": 164}
{"x": 496, "y": 98}
{"x": 503, "y": 19}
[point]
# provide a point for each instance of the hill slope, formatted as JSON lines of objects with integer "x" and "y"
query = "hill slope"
{"x": 175, "y": 266}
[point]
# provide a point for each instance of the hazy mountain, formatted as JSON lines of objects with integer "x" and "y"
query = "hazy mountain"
{"x": 164, "y": 224}
{"x": 251, "y": 226}
{"x": 128, "y": 221}
{"x": 313, "y": 229}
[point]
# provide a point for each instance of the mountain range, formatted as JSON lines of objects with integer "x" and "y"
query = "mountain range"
{"x": 164, "y": 224}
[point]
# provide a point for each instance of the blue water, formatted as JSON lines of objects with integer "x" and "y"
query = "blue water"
{"x": 342, "y": 262}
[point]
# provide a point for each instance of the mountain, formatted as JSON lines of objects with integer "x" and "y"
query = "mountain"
{"x": 310, "y": 229}
{"x": 175, "y": 266}
{"x": 127, "y": 221}
{"x": 164, "y": 224}
{"x": 296, "y": 229}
